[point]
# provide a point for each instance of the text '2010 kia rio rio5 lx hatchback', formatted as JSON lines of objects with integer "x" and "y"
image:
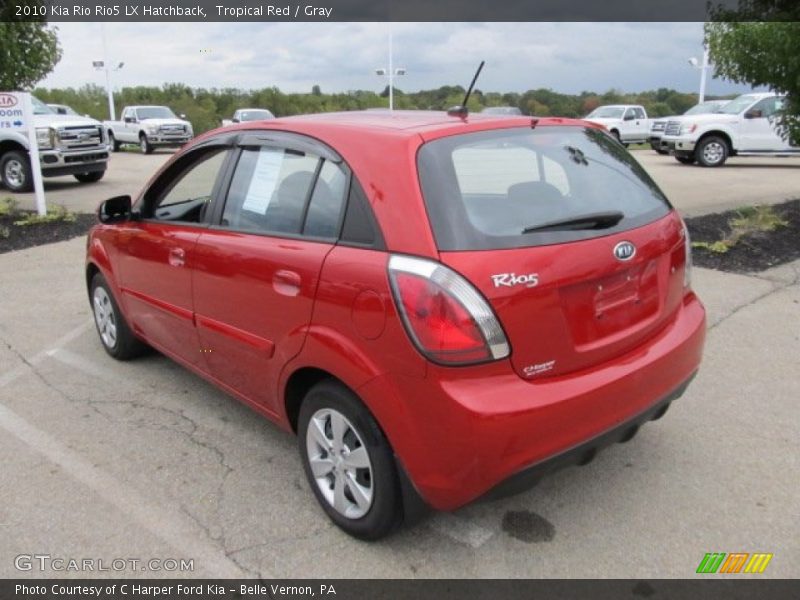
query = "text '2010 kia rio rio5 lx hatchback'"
{"x": 441, "y": 307}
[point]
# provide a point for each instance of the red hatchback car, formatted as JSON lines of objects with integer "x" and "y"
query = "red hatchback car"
{"x": 441, "y": 307}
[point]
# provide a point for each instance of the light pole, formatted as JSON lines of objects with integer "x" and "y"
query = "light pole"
{"x": 103, "y": 64}
{"x": 391, "y": 72}
{"x": 703, "y": 66}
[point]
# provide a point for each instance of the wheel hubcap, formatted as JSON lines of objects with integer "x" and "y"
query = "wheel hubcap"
{"x": 713, "y": 152}
{"x": 104, "y": 317}
{"x": 340, "y": 463}
{"x": 143, "y": 144}
{"x": 14, "y": 173}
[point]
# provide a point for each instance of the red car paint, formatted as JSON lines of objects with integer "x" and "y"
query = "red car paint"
{"x": 595, "y": 342}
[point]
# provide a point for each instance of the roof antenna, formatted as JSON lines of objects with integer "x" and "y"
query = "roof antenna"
{"x": 462, "y": 111}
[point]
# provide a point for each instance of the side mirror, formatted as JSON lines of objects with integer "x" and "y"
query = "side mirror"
{"x": 630, "y": 117}
{"x": 61, "y": 110}
{"x": 182, "y": 116}
{"x": 753, "y": 114}
{"x": 128, "y": 119}
{"x": 235, "y": 120}
{"x": 115, "y": 210}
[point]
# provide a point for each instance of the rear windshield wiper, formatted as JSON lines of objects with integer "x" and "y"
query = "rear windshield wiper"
{"x": 600, "y": 220}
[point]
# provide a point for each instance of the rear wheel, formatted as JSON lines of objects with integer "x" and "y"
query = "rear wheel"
{"x": 144, "y": 145}
{"x": 16, "y": 170}
{"x": 616, "y": 135}
{"x": 90, "y": 177}
{"x": 117, "y": 338}
{"x": 348, "y": 462}
{"x": 712, "y": 151}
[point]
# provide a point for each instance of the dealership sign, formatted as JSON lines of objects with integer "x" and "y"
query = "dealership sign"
{"x": 12, "y": 111}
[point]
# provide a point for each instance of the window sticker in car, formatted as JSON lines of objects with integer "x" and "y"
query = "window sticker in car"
{"x": 264, "y": 180}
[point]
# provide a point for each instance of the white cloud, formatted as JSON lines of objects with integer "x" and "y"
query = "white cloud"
{"x": 567, "y": 57}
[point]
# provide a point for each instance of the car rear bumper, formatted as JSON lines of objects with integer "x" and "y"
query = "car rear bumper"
{"x": 464, "y": 433}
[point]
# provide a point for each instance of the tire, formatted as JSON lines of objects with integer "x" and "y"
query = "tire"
{"x": 658, "y": 148}
{"x": 685, "y": 160}
{"x": 145, "y": 146}
{"x": 616, "y": 135}
{"x": 90, "y": 177}
{"x": 113, "y": 142}
{"x": 115, "y": 335}
{"x": 712, "y": 151}
{"x": 15, "y": 171}
{"x": 377, "y": 509}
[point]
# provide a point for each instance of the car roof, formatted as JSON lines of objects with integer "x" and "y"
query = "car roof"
{"x": 401, "y": 121}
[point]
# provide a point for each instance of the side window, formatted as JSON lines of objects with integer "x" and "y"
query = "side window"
{"x": 639, "y": 112}
{"x": 184, "y": 194}
{"x": 325, "y": 208}
{"x": 769, "y": 106}
{"x": 270, "y": 190}
{"x": 629, "y": 113}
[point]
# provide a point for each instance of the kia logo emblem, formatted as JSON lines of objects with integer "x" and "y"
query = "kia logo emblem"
{"x": 7, "y": 100}
{"x": 624, "y": 251}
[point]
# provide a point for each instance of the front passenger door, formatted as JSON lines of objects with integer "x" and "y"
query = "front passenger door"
{"x": 155, "y": 267}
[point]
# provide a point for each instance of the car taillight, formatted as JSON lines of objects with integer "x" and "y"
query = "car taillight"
{"x": 687, "y": 268}
{"x": 445, "y": 316}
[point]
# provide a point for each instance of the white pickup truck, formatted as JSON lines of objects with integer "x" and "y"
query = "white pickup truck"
{"x": 744, "y": 126}
{"x": 626, "y": 122}
{"x": 68, "y": 145}
{"x": 149, "y": 127}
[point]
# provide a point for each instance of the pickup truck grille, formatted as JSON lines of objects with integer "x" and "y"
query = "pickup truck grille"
{"x": 172, "y": 129}
{"x": 84, "y": 136}
{"x": 658, "y": 126}
{"x": 673, "y": 128}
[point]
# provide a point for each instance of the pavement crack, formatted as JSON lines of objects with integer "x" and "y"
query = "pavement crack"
{"x": 777, "y": 287}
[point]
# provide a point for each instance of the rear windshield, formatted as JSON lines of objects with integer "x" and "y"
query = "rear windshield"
{"x": 483, "y": 189}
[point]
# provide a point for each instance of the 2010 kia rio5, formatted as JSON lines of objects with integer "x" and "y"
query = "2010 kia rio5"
{"x": 440, "y": 307}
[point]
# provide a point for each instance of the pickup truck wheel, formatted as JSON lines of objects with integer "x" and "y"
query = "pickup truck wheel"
{"x": 616, "y": 135}
{"x": 145, "y": 146}
{"x": 16, "y": 171}
{"x": 711, "y": 151}
{"x": 113, "y": 142}
{"x": 657, "y": 147}
{"x": 90, "y": 177}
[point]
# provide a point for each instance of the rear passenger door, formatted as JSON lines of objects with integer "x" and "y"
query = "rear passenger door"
{"x": 257, "y": 267}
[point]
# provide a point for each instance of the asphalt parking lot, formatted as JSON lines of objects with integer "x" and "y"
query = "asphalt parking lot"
{"x": 143, "y": 460}
{"x": 693, "y": 190}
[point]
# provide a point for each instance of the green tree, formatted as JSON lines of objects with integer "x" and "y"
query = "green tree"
{"x": 760, "y": 53}
{"x": 28, "y": 52}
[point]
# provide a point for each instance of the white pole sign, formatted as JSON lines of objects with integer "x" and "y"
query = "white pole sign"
{"x": 16, "y": 114}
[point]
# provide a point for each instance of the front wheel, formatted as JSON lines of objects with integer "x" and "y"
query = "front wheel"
{"x": 90, "y": 177}
{"x": 117, "y": 338}
{"x": 113, "y": 142}
{"x": 144, "y": 145}
{"x": 16, "y": 170}
{"x": 348, "y": 462}
{"x": 657, "y": 147}
{"x": 712, "y": 151}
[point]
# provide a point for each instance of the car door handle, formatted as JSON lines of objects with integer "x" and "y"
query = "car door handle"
{"x": 286, "y": 282}
{"x": 177, "y": 257}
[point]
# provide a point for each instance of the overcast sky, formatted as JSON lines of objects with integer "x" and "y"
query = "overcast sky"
{"x": 566, "y": 57}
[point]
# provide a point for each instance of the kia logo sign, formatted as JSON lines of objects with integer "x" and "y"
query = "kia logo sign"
{"x": 624, "y": 251}
{"x": 7, "y": 100}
